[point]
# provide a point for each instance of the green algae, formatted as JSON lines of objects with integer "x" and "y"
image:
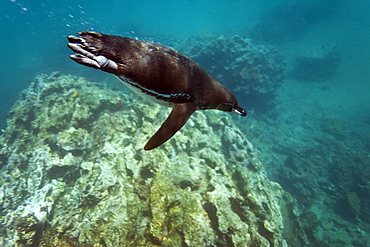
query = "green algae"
{"x": 74, "y": 168}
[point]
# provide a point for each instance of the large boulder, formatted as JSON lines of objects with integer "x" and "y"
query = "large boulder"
{"x": 254, "y": 72}
{"x": 74, "y": 173}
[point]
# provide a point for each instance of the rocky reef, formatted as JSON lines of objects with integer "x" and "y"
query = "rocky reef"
{"x": 321, "y": 160}
{"x": 253, "y": 71}
{"x": 74, "y": 173}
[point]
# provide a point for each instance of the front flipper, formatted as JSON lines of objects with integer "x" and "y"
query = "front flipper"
{"x": 177, "y": 118}
{"x": 84, "y": 54}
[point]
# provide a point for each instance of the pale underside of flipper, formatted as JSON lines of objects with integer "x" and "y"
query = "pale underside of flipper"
{"x": 85, "y": 57}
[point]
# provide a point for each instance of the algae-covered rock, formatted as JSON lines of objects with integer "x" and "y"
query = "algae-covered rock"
{"x": 254, "y": 71}
{"x": 74, "y": 173}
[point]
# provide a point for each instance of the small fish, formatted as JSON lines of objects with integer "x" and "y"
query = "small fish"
{"x": 157, "y": 72}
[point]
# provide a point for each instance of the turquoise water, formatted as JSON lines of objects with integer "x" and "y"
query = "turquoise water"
{"x": 314, "y": 140}
{"x": 34, "y": 33}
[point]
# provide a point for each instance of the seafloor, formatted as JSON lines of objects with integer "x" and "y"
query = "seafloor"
{"x": 74, "y": 173}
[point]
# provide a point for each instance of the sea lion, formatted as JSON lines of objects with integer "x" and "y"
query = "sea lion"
{"x": 156, "y": 72}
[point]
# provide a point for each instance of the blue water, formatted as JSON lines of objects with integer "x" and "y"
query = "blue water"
{"x": 34, "y": 32}
{"x": 328, "y": 120}
{"x": 34, "y": 35}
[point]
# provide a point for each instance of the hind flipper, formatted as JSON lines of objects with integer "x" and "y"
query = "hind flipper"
{"x": 177, "y": 118}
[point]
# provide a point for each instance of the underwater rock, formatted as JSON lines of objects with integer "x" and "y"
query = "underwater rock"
{"x": 252, "y": 71}
{"x": 74, "y": 174}
{"x": 317, "y": 64}
{"x": 354, "y": 205}
{"x": 326, "y": 169}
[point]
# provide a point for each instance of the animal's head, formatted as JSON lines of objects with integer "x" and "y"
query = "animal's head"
{"x": 232, "y": 106}
{"x": 226, "y": 101}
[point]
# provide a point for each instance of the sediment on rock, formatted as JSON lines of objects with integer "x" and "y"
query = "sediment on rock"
{"x": 74, "y": 172}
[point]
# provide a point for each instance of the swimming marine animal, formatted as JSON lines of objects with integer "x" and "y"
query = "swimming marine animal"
{"x": 157, "y": 72}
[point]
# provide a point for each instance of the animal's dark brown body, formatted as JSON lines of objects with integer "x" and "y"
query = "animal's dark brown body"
{"x": 157, "y": 72}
